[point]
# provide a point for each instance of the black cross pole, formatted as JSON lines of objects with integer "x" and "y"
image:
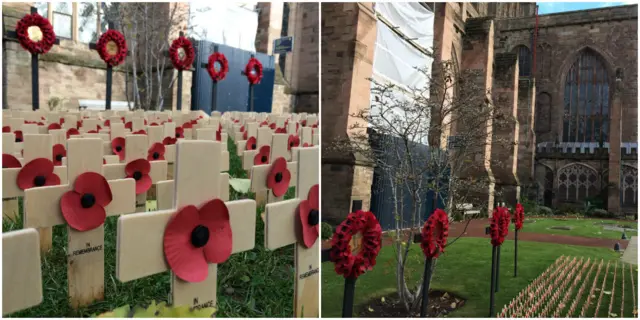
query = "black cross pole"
{"x": 250, "y": 90}
{"x": 35, "y": 80}
{"x": 349, "y": 288}
{"x": 93, "y": 46}
{"x": 214, "y": 89}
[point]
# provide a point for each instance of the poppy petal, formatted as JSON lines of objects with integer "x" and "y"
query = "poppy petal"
{"x": 79, "y": 218}
{"x": 186, "y": 261}
{"x": 314, "y": 197}
{"x": 215, "y": 216}
{"x": 54, "y": 126}
{"x": 95, "y": 184}
{"x": 52, "y": 179}
{"x": 9, "y": 161}
{"x": 6, "y": 129}
{"x": 36, "y": 167}
{"x": 141, "y": 165}
{"x": 251, "y": 143}
{"x": 143, "y": 184}
{"x": 309, "y": 233}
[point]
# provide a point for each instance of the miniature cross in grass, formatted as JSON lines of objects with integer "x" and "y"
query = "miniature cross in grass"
{"x": 38, "y": 171}
{"x": 191, "y": 238}
{"x": 257, "y": 150}
{"x": 271, "y": 181}
{"x": 21, "y": 273}
{"x": 297, "y": 221}
{"x": 82, "y": 205}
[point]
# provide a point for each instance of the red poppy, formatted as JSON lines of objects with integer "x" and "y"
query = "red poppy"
{"x": 294, "y": 141}
{"x": 59, "y": 152}
{"x": 169, "y": 140}
{"x": 279, "y": 177}
{"x": 307, "y": 145}
{"x": 117, "y": 146}
{"x": 42, "y": 118}
{"x": 122, "y": 118}
{"x": 92, "y": 131}
{"x": 6, "y": 129}
{"x": 99, "y": 127}
{"x": 196, "y": 237}
{"x": 79, "y": 124}
{"x": 263, "y": 156}
{"x": 107, "y": 123}
{"x": 153, "y": 124}
{"x": 242, "y": 129}
{"x": 54, "y": 126}
{"x": 187, "y": 125}
{"x": 218, "y": 135}
{"x": 156, "y": 152}
{"x": 140, "y": 132}
{"x": 244, "y": 135}
{"x": 18, "y": 134}
{"x": 264, "y": 123}
{"x": 251, "y": 144}
{"x": 309, "y": 217}
{"x": 128, "y": 125}
{"x": 314, "y": 126}
{"x": 61, "y": 121}
{"x": 139, "y": 171}
{"x": 104, "y": 161}
{"x": 272, "y": 126}
{"x": 37, "y": 173}
{"x": 518, "y": 217}
{"x": 281, "y": 130}
{"x": 194, "y": 122}
{"x": 83, "y": 207}
{"x": 303, "y": 123}
{"x": 145, "y": 122}
{"x": 219, "y": 126}
{"x": 72, "y": 132}
{"x": 170, "y": 120}
{"x": 40, "y": 124}
{"x": 9, "y": 161}
{"x": 179, "y": 133}
{"x": 236, "y": 120}
{"x": 434, "y": 234}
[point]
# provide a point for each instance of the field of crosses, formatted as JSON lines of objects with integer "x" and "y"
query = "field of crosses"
{"x": 94, "y": 173}
{"x": 577, "y": 287}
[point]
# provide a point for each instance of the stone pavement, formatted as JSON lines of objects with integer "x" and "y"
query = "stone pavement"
{"x": 630, "y": 254}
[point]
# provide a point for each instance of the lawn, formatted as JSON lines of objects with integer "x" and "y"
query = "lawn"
{"x": 256, "y": 283}
{"x": 465, "y": 270}
{"x": 590, "y": 228}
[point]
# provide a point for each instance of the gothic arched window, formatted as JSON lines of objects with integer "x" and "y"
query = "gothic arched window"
{"x": 586, "y": 100}
{"x": 524, "y": 61}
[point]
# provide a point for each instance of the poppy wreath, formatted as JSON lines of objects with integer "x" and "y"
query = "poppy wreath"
{"x": 18, "y": 134}
{"x": 211, "y": 66}
{"x": 518, "y": 217}
{"x": 156, "y": 152}
{"x": 9, "y": 161}
{"x": 497, "y": 229}
{"x": 117, "y": 146}
{"x": 256, "y": 66}
{"x": 195, "y": 237}
{"x": 83, "y": 207}
{"x": 37, "y": 173}
{"x": 117, "y": 37}
{"x": 434, "y": 234}
{"x": 251, "y": 143}
{"x": 189, "y": 53}
{"x": 309, "y": 217}
{"x": 139, "y": 171}
{"x": 506, "y": 220}
{"x": 59, "y": 152}
{"x": 347, "y": 264}
{"x": 48, "y": 35}
{"x": 263, "y": 156}
{"x": 169, "y": 141}
{"x": 279, "y": 177}
{"x": 294, "y": 141}
{"x": 72, "y": 132}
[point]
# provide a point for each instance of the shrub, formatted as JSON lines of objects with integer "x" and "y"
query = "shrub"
{"x": 600, "y": 213}
{"x": 326, "y": 231}
{"x": 545, "y": 211}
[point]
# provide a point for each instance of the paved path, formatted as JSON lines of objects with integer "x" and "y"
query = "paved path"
{"x": 630, "y": 254}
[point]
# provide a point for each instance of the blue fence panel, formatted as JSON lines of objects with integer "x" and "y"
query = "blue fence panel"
{"x": 233, "y": 91}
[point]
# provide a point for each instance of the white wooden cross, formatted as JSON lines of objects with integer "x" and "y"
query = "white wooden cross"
{"x": 260, "y": 173}
{"x": 10, "y": 206}
{"x": 263, "y": 139}
{"x": 282, "y": 228}
{"x": 252, "y": 131}
{"x": 141, "y": 253}
{"x": 21, "y": 272}
{"x": 85, "y": 248}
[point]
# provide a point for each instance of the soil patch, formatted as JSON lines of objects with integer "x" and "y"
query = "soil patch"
{"x": 441, "y": 303}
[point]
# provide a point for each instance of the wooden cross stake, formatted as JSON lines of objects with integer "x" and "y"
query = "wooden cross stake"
{"x": 263, "y": 139}
{"x": 21, "y": 273}
{"x": 282, "y": 229}
{"x": 140, "y": 250}
{"x": 260, "y": 173}
{"x": 85, "y": 258}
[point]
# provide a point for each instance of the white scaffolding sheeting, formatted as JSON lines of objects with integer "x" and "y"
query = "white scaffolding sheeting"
{"x": 225, "y": 23}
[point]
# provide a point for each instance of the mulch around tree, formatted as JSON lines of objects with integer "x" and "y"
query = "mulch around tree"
{"x": 477, "y": 227}
{"x": 440, "y": 303}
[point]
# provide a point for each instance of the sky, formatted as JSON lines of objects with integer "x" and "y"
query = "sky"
{"x": 554, "y": 7}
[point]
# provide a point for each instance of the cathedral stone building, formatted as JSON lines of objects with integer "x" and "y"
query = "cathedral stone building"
{"x": 575, "y": 92}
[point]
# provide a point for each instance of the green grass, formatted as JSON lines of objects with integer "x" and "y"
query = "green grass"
{"x": 590, "y": 228}
{"x": 465, "y": 270}
{"x": 255, "y": 283}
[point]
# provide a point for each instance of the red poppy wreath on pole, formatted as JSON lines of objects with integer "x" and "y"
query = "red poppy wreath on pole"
{"x": 346, "y": 263}
{"x": 35, "y": 33}
{"x": 518, "y": 220}
{"x": 434, "y": 234}
{"x": 184, "y": 62}
{"x": 112, "y": 47}
{"x": 253, "y": 71}
{"x": 218, "y": 75}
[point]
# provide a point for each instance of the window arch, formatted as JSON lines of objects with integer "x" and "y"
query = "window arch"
{"x": 586, "y": 100}
{"x": 524, "y": 60}
{"x": 577, "y": 182}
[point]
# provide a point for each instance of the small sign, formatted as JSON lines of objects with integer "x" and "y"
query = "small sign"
{"x": 454, "y": 142}
{"x": 282, "y": 45}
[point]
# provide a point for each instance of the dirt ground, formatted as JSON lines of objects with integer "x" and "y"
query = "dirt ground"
{"x": 440, "y": 303}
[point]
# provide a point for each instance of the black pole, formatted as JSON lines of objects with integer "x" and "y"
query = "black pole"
{"x": 498, "y": 269}
{"x": 493, "y": 280}
{"x": 425, "y": 288}
{"x": 214, "y": 90}
{"x": 347, "y": 299}
{"x": 109, "y": 80}
{"x": 35, "y": 88}
{"x": 515, "y": 257}
{"x": 251, "y": 97}
{"x": 179, "y": 89}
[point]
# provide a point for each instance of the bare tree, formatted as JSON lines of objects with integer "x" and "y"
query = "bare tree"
{"x": 403, "y": 133}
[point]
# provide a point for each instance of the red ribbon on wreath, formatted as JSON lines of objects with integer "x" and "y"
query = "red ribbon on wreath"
{"x": 105, "y": 47}
{"x": 346, "y": 263}
{"x": 434, "y": 234}
{"x": 253, "y": 71}
{"x": 224, "y": 66}
{"x": 48, "y": 35}
{"x": 499, "y": 227}
{"x": 189, "y": 53}
{"x": 518, "y": 217}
